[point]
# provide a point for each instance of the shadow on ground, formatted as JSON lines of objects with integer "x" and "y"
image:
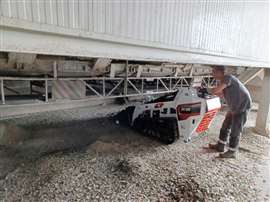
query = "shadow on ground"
{"x": 67, "y": 137}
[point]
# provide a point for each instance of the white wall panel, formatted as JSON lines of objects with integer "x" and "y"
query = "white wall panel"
{"x": 42, "y": 13}
{"x": 5, "y": 9}
{"x": 83, "y": 15}
{"x": 35, "y": 11}
{"x": 235, "y": 28}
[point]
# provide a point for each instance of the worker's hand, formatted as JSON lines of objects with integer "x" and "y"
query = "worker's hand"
{"x": 219, "y": 89}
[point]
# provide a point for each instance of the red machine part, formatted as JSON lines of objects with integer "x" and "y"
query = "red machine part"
{"x": 205, "y": 123}
{"x": 184, "y": 111}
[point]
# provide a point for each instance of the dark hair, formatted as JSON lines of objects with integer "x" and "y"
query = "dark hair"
{"x": 219, "y": 68}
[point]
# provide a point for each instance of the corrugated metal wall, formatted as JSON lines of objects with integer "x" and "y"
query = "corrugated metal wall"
{"x": 234, "y": 27}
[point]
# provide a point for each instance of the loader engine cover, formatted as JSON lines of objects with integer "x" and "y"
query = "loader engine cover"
{"x": 184, "y": 114}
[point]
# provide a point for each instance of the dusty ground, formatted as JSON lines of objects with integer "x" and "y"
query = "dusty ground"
{"x": 103, "y": 161}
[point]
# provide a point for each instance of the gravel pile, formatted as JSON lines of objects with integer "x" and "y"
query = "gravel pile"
{"x": 63, "y": 117}
{"x": 122, "y": 165}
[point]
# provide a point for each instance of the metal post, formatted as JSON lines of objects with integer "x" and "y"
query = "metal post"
{"x": 126, "y": 79}
{"x": 2, "y": 92}
{"x": 142, "y": 87}
{"x": 103, "y": 87}
{"x": 31, "y": 88}
{"x": 46, "y": 90}
{"x": 170, "y": 83}
{"x": 55, "y": 69}
{"x": 157, "y": 84}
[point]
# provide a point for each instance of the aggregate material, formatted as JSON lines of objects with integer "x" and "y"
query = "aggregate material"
{"x": 81, "y": 155}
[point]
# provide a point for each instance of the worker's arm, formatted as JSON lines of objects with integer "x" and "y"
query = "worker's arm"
{"x": 221, "y": 95}
{"x": 218, "y": 90}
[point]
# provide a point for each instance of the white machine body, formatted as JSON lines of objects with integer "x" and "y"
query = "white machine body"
{"x": 193, "y": 112}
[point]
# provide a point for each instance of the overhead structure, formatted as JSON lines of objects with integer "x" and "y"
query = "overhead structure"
{"x": 93, "y": 41}
{"x": 71, "y": 92}
{"x": 206, "y": 32}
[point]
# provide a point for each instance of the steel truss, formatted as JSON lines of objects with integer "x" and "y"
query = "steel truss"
{"x": 107, "y": 87}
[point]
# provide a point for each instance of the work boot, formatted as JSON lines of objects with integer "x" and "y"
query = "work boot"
{"x": 229, "y": 154}
{"x": 218, "y": 147}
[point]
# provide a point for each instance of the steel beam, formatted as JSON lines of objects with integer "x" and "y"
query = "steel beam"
{"x": 126, "y": 79}
{"x": 115, "y": 87}
{"x": 91, "y": 88}
{"x": 2, "y": 92}
{"x": 132, "y": 86}
{"x": 46, "y": 91}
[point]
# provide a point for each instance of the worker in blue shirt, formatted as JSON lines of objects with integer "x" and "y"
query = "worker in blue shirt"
{"x": 239, "y": 102}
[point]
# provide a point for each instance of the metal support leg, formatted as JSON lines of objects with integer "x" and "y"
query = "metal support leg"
{"x": 46, "y": 90}
{"x": 103, "y": 87}
{"x": 31, "y": 87}
{"x": 126, "y": 79}
{"x": 2, "y": 92}
{"x": 263, "y": 114}
{"x": 54, "y": 69}
{"x": 142, "y": 89}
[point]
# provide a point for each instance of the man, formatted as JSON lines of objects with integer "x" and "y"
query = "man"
{"x": 239, "y": 102}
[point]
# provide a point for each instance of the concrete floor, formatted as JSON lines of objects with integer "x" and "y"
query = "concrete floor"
{"x": 106, "y": 162}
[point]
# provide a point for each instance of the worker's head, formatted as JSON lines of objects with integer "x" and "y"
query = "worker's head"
{"x": 218, "y": 72}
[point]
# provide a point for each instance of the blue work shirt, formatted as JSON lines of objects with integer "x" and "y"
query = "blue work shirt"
{"x": 236, "y": 95}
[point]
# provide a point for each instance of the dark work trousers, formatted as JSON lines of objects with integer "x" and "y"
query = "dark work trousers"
{"x": 232, "y": 126}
